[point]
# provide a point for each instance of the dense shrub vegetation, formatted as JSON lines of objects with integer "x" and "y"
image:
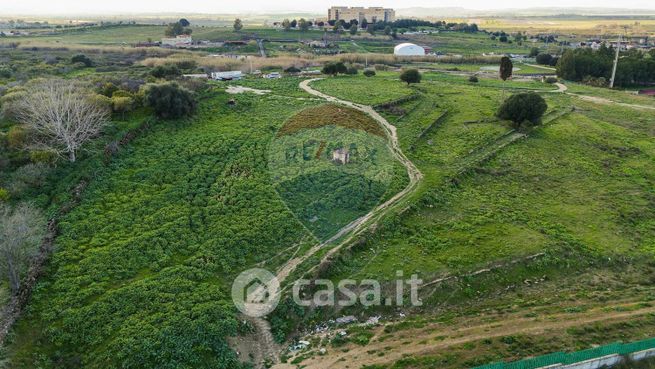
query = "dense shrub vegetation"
{"x": 169, "y": 100}
{"x": 137, "y": 280}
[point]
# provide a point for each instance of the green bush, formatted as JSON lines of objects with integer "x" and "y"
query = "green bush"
{"x": 334, "y": 68}
{"x": 551, "y": 80}
{"x": 292, "y": 69}
{"x": 43, "y": 156}
{"x": 352, "y": 70}
{"x": 369, "y": 73}
{"x": 5, "y": 72}
{"x": 169, "y": 100}
{"x": 410, "y": 76}
{"x": 83, "y": 59}
{"x": 4, "y": 195}
{"x": 523, "y": 107}
{"x": 544, "y": 59}
{"x": 165, "y": 71}
{"x": 473, "y": 79}
{"x": 16, "y": 137}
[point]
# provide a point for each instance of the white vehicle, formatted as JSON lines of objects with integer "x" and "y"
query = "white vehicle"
{"x": 273, "y": 75}
{"x": 227, "y": 76}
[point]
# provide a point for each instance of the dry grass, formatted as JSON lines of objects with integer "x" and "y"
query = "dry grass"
{"x": 330, "y": 114}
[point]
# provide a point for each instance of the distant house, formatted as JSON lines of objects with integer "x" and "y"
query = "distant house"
{"x": 227, "y": 76}
{"x": 180, "y": 40}
{"x": 407, "y": 49}
{"x": 341, "y": 156}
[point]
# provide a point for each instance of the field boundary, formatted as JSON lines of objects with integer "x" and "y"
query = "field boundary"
{"x": 559, "y": 359}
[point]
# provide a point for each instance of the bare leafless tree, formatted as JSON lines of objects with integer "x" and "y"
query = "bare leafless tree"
{"x": 21, "y": 231}
{"x": 62, "y": 114}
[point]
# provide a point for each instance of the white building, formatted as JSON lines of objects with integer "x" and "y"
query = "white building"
{"x": 372, "y": 15}
{"x": 408, "y": 49}
{"x": 180, "y": 40}
{"x": 227, "y": 76}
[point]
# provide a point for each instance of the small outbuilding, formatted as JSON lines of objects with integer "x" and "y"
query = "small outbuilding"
{"x": 341, "y": 156}
{"x": 407, "y": 49}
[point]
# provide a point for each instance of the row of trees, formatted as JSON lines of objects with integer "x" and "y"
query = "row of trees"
{"x": 634, "y": 67}
{"x": 389, "y": 28}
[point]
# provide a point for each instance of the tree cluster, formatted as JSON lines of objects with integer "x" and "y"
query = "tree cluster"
{"x": 180, "y": 27}
{"x": 334, "y": 68}
{"x": 634, "y": 68}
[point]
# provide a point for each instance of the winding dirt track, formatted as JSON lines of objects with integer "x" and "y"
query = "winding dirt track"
{"x": 266, "y": 342}
{"x": 359, "y": 224}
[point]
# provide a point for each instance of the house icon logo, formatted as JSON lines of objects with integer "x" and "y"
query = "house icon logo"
{"x": 255, "y": 292}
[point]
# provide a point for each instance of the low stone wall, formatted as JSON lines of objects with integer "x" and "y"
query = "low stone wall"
{"x": 599, "y": 362}
{"x": 641, "y": 355}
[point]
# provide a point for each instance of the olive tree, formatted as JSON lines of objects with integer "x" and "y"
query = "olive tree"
{"x": 523, "y": 107}
{"x": 21, "y": 231}
{"x": 410, "y": 76}
{"x": 62, "y": 115}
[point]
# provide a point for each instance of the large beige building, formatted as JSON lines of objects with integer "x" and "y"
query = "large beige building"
{"x": 372, "y": 15}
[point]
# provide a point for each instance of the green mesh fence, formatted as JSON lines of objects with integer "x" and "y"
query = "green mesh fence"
{"x": 574, "y": 357}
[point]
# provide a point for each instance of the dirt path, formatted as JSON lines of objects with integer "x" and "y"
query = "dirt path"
{"x": 266, "y": 347}
{"x": 359, "y": 224}
{"x": 436, "y": 338}
{"x": 603, "y": 101}
{"x": 541, "y": 66}
{"x": 560, "y": 87}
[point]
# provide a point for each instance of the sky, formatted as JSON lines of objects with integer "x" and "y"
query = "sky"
{"x": 59, "y": 7}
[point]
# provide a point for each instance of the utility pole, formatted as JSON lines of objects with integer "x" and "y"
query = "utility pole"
{"x": 616, "y": 62}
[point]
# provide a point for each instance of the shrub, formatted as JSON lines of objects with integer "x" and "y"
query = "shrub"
{"x": 5, "y": 72}
{"x": 473, "y": 79}
{"x": 165, "y": 71}
{"x": 16, "y": 137}
{"x": 169, "y": 100}
{"x": 595, "y": 81}
{"x": 292, "y": 69}
{"x": 551, "y": 80}
{"x": 107, "y": 89}
{"x": 352, "y": 70}
{"x": 369, "y": 73}
{"x": 4, "y": 195}
{"x": 410, "y": 76}
{"x": 43, "y": 156}
{"x": 523, "y": 107}
{"x": 83, "y": 59}
{"x": 334, "y": 68}
{"x": 544, "y": 59}
{"x": 28, "y": 176}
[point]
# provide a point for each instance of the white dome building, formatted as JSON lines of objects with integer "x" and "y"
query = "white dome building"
{"x": 408, "y": 49}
